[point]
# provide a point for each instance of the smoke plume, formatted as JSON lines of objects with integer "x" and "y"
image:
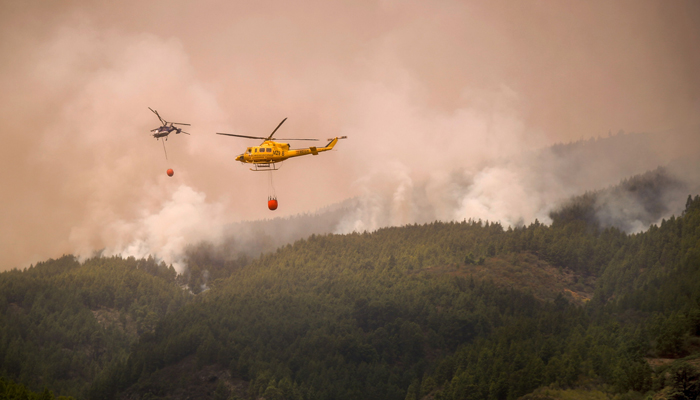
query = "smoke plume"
{"x": 451, "y": 110}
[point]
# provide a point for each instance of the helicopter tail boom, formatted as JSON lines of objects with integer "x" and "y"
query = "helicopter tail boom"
{"x": 314, "y": 150}
{"x": 332, "y": 143}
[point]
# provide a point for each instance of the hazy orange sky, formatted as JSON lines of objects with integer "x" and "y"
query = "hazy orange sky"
{"x": 422, "y": 89}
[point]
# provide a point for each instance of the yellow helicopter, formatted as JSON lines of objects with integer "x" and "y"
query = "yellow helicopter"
{"x": 266, "y": 156}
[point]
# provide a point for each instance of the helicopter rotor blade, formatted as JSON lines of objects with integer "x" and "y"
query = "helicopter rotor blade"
{"x": 184, "y": 132}
{"x": 158, "y": 115}
{"x": 179, "y": 123}
{"x": 242, "y": 136}
{"x": 273, "y": 132}
{"x": 262, "y": 138}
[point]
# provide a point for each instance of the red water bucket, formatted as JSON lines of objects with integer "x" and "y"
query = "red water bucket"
{"x": 272, "y": 204}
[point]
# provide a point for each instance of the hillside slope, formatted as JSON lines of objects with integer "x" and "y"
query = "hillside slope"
{"x": 460, "y": 310}
{"x": 396, "y": 314}
{"x": 62, "y": 322}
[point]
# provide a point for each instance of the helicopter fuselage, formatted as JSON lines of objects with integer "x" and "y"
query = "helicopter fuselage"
{"x": 273, "y": 152}
{"x": 167, "y": 128}
{"x": 164, "y": 131}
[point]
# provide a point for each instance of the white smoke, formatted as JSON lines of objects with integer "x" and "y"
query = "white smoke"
{"x": 443, "y": 118}
{"x": 504, "y": 195}
{"x": 409, "y": 163}
{"x": 98, "y": 141}
{"x": 519, "y": 189}
{"x": 459, "y": 168}
{"x": 184, "y": 219}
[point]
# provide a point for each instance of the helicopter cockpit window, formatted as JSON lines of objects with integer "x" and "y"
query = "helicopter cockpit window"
{"x": 248, "y": 151}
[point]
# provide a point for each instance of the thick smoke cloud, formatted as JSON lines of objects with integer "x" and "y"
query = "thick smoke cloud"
{"x": 518, "y": 189}
{"x": 450, "y": 108}
{"x": 184, "y": 219}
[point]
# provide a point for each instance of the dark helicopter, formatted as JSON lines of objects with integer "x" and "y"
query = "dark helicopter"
{"x": 167, "y": 128}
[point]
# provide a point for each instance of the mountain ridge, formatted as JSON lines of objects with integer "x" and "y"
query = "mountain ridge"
{"x": 450, "y": 310}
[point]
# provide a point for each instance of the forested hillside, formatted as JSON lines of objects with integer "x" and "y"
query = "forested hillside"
{"x": 460, "y": 310}
{"x": 363, "y": 316}
{"x": 63, "y": 321}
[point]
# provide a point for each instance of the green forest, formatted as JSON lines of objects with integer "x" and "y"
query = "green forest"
{"x": 446, "y": 310}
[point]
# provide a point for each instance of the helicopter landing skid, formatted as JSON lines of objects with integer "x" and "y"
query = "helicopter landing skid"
{"x": 265, "y": 167}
